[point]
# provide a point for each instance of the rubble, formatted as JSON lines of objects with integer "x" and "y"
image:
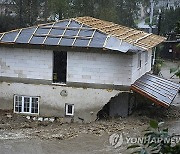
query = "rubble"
{"x": 53, "y": 128}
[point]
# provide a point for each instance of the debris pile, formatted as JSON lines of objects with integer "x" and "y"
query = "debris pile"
{"x": 17, "y": 126}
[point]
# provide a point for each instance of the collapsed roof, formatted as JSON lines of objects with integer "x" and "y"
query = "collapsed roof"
{"x": 83, "y": 32}
{"x": 159, "y": 90}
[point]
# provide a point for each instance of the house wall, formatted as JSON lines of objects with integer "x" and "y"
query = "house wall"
{"x": 99, "y": 68}
{"x": 87, "y": 102}
{"x": 26, "y": 63}
{"x": 82, "y": 67}
{"x": 145, "y": 67}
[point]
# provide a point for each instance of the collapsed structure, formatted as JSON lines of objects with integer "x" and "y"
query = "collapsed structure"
{"x": 71, "y": 68}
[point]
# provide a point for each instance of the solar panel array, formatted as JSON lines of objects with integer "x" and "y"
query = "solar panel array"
{"x": 160, "y": 90}
{"x": 63, "y": 33}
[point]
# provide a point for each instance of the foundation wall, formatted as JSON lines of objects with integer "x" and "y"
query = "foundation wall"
{"x": 87, "y": 102}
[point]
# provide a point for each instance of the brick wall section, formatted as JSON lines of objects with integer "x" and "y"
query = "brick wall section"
{"x": 99, "y": 68}
{"x": 26, "y": 63}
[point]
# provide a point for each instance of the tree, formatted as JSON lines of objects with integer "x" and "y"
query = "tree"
{"x": 27, "y": 12}
{"x": 127, "y": 12}
{"x": 83, "y": 7}
{"x": 105, "y": 10}
{"x": 119, "y": 11}
{"x": 7, "y": 23}
{"x": 177, "y": 28}
{"x": 169, "y": 20}
{"x": 59, "y": 8}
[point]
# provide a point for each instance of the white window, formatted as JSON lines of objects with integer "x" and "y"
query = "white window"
{"x": 69, "y": 109}
{"x": 139, "y": 60}
{"x": 26, "y": 104}
{"x": 146, "y": 57}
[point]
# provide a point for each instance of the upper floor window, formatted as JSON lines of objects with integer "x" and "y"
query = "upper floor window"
{"x": 139, "y": 60}
{"x": 146, "y": 57}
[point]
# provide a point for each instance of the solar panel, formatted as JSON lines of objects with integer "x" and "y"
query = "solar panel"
{"x": 66, "y": 42}
{"x": 159, "y": 90}
{"x": 98, "y": 40}
{"x": 81, "y": 42}
{"x": 86, "y": 33}
{"x": 75, "y": 24}
{"x": 62, "y": 23}
{"x": 56, "y": 31}
{"x": 25, "y": 35}
{"x": 37, "y": 40}
{"x": 52, "y": 41}
{"x": 71, "y": 32}
{"x": 10, "y": 37}
{"x": 42, "y": 30}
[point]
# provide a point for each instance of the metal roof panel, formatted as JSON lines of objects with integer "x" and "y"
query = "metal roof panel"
{"x": 159, "y": 90}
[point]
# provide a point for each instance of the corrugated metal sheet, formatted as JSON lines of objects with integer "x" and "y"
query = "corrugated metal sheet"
{"x": 159, "y": 90}
{"x": 83, "y": 32}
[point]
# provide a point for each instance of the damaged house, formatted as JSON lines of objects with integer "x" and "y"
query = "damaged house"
{"x": 73, "y": 67}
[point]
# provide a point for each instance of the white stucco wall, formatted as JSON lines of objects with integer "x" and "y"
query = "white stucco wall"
{"x": 87, "y": 102}
{"x": 26, "y": 63}
{"x": 99, "y": 68}
{"x": 145, "y": 67}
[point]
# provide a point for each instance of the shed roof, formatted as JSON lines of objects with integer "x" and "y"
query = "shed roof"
{"x": 159, "y": 90}
{"x": 83, "y": 32}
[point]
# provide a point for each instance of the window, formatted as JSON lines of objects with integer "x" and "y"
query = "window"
{"x": 146, "y": 57}
{"x": 139, "y": 60}
{"x": 69, "y": 109}
{"x": 60, "y": 67}
{"x": 26, "y": 104}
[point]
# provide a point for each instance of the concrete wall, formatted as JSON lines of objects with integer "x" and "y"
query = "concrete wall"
{"x": 99, "y": 68}
{"x": 26, "y": 63}
{"x": 145, "y": 67}
{"x": 87, "y": 102}
{"x": 82, "y": 67}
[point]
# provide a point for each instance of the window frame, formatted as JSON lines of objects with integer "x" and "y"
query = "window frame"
{"x": 23, "y": 102}
{"x": 66, "y": 110}
{"x": 139, "y": 61}
{"x": 146, "y": 57}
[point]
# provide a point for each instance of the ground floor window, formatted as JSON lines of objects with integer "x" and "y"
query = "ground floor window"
{"x": 26, "y": 104}
{"x": 69, "y": 109}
